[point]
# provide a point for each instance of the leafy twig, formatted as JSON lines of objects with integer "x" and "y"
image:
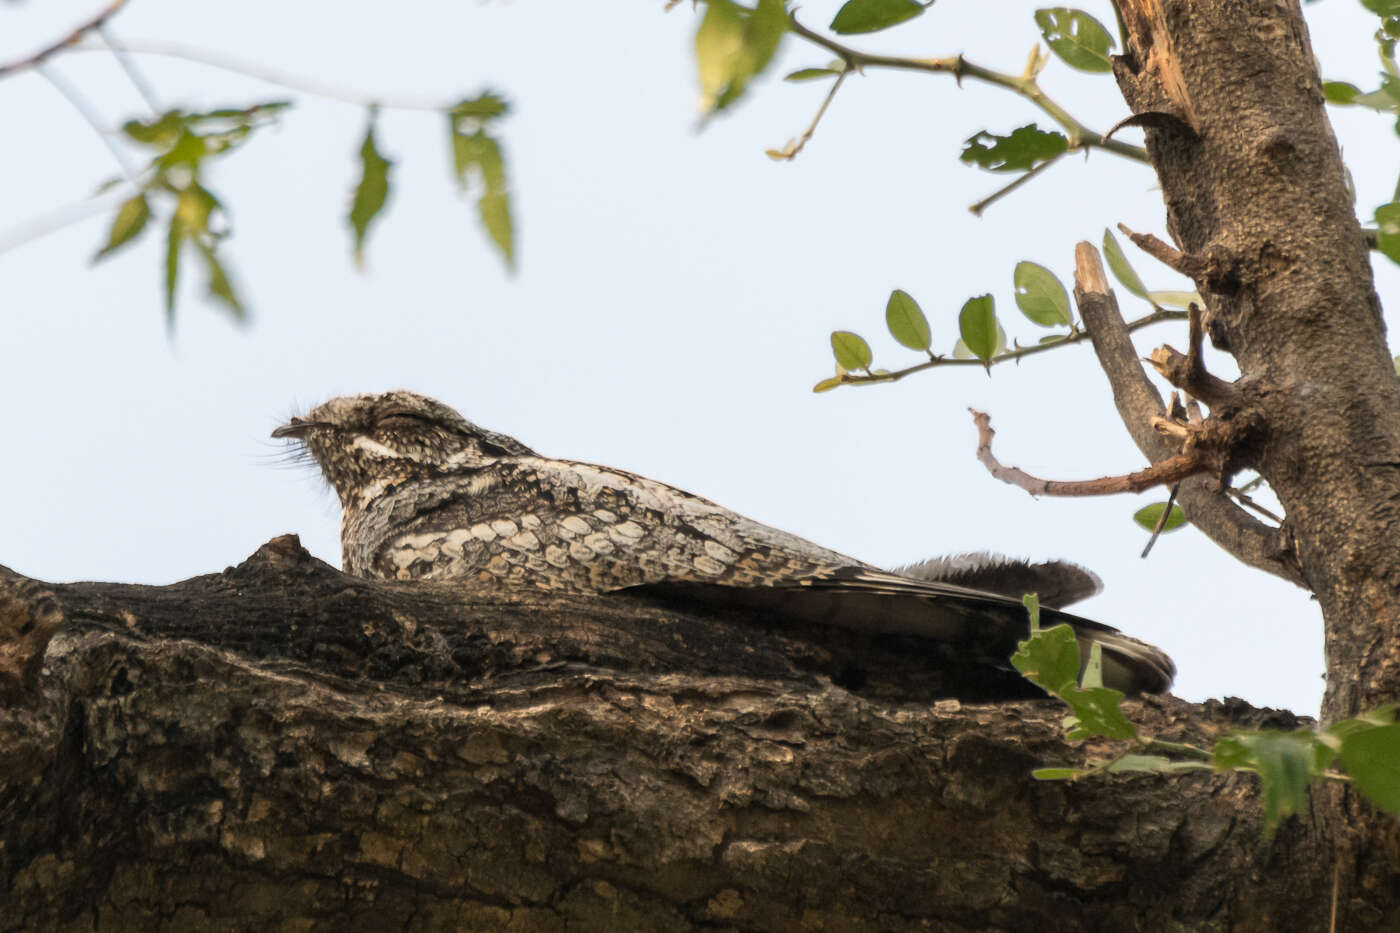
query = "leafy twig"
{"x": 1080, "y": 136}
{"x": 1076, "y": 336}
{"x": 790, "y": 151}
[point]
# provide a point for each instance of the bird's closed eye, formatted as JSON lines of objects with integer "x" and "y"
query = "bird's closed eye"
{"x": 401, "y": 419}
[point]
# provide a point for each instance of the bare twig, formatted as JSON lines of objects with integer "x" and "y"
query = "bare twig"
{"x": 1021, "y": 179}
{"x": 80, "y": 104}
{"x": 1171, "y": 470}
{"x": 790, "y": 152}
{"x": 276, "y": 76}
{"x": 62, "y": 217}
{"x": 1161, "y": 521}
{"x": 96, "y": 21}
{"x": 133, "y": 74}
{"x": 1080, "y": 136}
{"x": 1225, "y": 523}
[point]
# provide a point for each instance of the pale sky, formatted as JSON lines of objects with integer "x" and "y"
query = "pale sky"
{"x": 670, "y": 313}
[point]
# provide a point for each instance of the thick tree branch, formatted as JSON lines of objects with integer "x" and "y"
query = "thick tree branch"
{"x": 280, "y": 746}
{"x": 1239, "y": 533}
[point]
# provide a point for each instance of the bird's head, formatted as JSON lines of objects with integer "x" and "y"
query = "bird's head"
{"x": 363, "y": 440}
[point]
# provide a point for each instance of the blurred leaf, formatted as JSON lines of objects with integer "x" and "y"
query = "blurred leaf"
{"x": 130, "y": 220}
{"x": 371, "y": 192}
{"x": 906, "y": 321}
{"x": 174, "y": 239}
{"x": 1170, "y": 299}
{"x": 218, "y": 284}
{"x": 857, "y": 16}
{"x": 1143, "y": 763}
{"x": 1372, "y": 758}
{"x": 1340, "y": 92}
{"x": 826, "y": 385}
{"x": 1018, "y": 152}
{"x": 483, "y": 108}
{"x": 1388, "y": 226}
{"x": 1050, "y": 659}
{"x": 852, "y": 352}
{"x": 1284, "y": 761}
{"x": 733, "y": 45}
{"x": 1076, "y": 37}
{"x": 977, "y": 324}
{"x": 1122, "y": 270}
{"x": 1148, "y": 515}
{"x": 1040, "y": 296}
{"x": 812, "y": 74}
{"x": 477, "y": 154}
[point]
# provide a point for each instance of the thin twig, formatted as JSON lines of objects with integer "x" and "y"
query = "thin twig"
{"x": 276, "y": 76}
{"x": 789, "y": 154}
{"x": 94, "y": 22}
{"x": 1077, "y": 336}
{"x": 1245, "y": 500}
{"x": 133, "y": 74}
{"x": 1161, "y": 521}
{"x": 1021, "y": 179}
{"x": 129, "y": 169}
{"x": 61, "y": 218}
{"x": 1171, "y": 470}
{"x": 1080, "y": 136}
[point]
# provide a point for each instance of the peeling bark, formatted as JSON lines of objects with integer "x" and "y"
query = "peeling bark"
{"x": 281, "y": 746}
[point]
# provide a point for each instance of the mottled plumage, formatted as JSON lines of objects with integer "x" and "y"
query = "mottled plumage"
{"x": 429, "y": 495}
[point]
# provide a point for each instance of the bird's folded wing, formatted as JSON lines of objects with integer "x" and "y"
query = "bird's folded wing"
{"x": 1057, "y": 582}
{"x": 986, "y": 625}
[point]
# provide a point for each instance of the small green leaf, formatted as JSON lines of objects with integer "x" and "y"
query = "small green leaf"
{"x": 174, "y": 238}
{"x": 1022, "y": 150}
{"x": 372, "y": 191}
{"x": 852, "y": 352}
{"x": 812, "y": 74}
{"x": 1098, "y": 713}
{"x": 1170, "y": 299}
{"x": 857, "y": 16}
{"x": 1372, "y": 758}
{"x": 1093, "y": 671}
{"x": 906, "y": 321}
{"x": 1340, "y": 92}
{"x": 1148, "y": 516}
{"x": 1388, "y": 230}
{"x": 826, "y": 385}
{"x": 130, "y": 220}
{"x": 1050, "y": 659}
{"x": 1284, "y": 761}
{"x": 218, "y": 284}
{"x": 1057, "y": 774}
{"x": 482, "y": 108}
{"x": 1144, "y": 763}
{"x": 733, "y": 45}
{"x": 1040, "y": 296}
{"x": 477, "y": 154}
{"x": 1122, "y": 270}
{"x": 1075, "y": 36}
{"x": 977, "y": 324}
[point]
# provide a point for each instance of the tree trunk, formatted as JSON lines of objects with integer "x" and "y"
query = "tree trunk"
{"x": 1257, "y": 202}
{"x": 281, "y": 746}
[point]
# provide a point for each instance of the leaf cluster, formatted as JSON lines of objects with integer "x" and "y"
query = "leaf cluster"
{"x": 1288, "y": 763}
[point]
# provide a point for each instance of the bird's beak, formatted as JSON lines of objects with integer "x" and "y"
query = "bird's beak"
{"x": 295, "y": 428}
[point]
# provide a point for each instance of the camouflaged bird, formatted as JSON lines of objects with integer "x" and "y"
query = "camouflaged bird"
{"x": 429, "y": 495}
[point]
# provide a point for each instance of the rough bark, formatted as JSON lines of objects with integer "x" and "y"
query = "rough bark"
{"x": 281, "y": 747}
{"x": 1256, "y": 201}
